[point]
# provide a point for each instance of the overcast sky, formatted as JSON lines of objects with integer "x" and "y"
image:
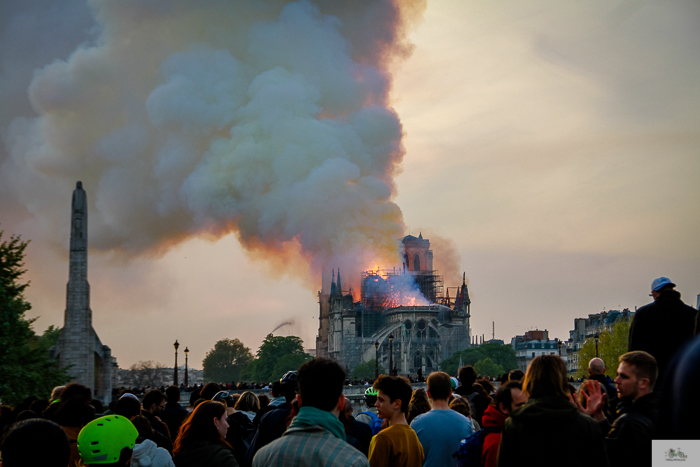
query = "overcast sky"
{"x": 552, "y": 152}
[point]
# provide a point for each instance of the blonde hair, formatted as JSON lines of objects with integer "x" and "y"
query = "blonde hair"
{"x": 546, "y": 376}
{"x": 248, "y": 402}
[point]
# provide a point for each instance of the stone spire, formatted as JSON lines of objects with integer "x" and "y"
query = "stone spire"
{"x": 333, "y": 288}
{"x": 339, "y": 286}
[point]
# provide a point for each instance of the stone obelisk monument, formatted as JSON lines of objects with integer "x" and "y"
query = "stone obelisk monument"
{"x": 78, "y": 345}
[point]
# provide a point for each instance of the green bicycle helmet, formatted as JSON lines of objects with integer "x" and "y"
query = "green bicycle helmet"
{"x": 371, "y": 396}
{"x": 101, "y": 441}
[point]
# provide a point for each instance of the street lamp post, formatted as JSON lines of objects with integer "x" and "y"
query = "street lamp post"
{"x": 376, "y": 360}
{"x": 176, "y": 345}
{"x": 596, "y": 345}
{"x": 559, "y": 344}
{"x": 391, "y": 354}
{"x": 187, "y": 352}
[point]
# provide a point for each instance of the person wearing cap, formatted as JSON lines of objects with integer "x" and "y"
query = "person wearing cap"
{"x": 108, "y": 440}
{"x": 664, "y": 326}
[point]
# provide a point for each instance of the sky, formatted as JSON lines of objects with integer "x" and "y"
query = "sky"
{"x": 549, "y": 150}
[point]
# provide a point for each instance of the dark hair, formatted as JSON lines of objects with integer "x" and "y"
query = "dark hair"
{"x": 467, "y": 375}
{"x": 76, "y": 390}
{"x": 419, "y": 400}
{"x": 320, "y": 383}
{"x": 26, "y": 415}
{"x": 143, "y": 426}
{"x": 199, "y": 426}
{"x": 395, "y": 387}
{"x": 486, "y": 384}
{"x": 248, "y": 402}
{"x": 19, "y": 446}
{"x": 152, "y": 397}
{"x": 276, "y": 389}
{"x": 97, "y": 405}
{"x": 515, "y": 375}
{"x": 644, "y": 365}
{"x": 504, "y": 395}
{"x": 194, "y": 395}
{"x": 461, "y": 405}
{"x": 74, "y": 412}
{"x": 546, "y": 376}
{"x": 172, "y": 393}
{"x": 209, "y": 391}
{"x": 39, "y": 406}
{"x": 439, "y": 385}
{"x": 264, "y": 401}
{"x": 127, "y": 407}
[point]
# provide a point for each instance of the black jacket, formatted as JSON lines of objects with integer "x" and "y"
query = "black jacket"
{"x": 272, "y": 426}
{"x": 662, "y": 327}
{"x": 629, "y": 439}
{"x": 477, "y": 401}
{"x": 173, "y": 415}
{"x": 551, "y": 431}
{"x": 205, "y": 454}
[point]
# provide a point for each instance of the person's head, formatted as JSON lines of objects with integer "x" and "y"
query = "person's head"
{"x": 661, "y": 285}
{"x": 76, "y": 390}
{"x": 248, "y": 402}
{"x": 439, "y": 386}
{"x": 486, "y": 384}
{"x": 321, "y": 384}
{"x": 289, "y": 386}
{"x": 276, "y": 388}
{"x": 421, "y": 401}
{"x": 393, "y": 395}
{"x": 143, "y": 426}
{"x": 128, "y": 406}
{"x": 154, "y": 401}
{"x": 172, "y": 394}
{"x": 461, "y": 405}
{"x": 546, "y": 376}
{"x": 370, "y": 397}
{"x": 515, "y": 375}
{"x": 73, "y": 410}
{"x": 225, "y": 398}
{"x": 636, "y": 375}
{"x": 107, "y": 440}
{"x": 467, "y": 376}
{"x": 510, "y": 397}
{"x": 207, "y": 422}
{"x": 56, "y": 393}
{"x": 264, "y": 401}
{"x": 596, "y": 366}
{"x": 25, "y": 437}
{"x": 209, "y": 391}
{"x": 97, "y": 405}
{"x": 194, "y": 396}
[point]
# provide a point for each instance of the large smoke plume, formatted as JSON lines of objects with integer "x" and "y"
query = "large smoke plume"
{"x": 267, "y": 119}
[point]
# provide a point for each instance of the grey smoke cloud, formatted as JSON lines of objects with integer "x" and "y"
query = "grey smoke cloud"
{"x": 269, "y": 120}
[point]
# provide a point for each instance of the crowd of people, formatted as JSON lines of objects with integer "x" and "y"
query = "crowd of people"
{"x": 307, "y": 421}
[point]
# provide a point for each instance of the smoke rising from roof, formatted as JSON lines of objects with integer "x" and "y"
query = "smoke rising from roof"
{"x": 267, "y": 119}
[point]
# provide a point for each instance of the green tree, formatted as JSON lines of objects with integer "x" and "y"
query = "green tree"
{"x": 226, "y": 360}
{"x": 24, "y": 364}
{"x": 365, "y": 370}
{"x": 290, "y": 362}
{"x": 610, "y": 346}
{"x": 503, "y": 355}
{"x": 488, "y": 367}
{"x": 270, "y": 352}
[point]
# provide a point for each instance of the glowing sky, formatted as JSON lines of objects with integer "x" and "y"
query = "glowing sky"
{"x": 554, "y": 147}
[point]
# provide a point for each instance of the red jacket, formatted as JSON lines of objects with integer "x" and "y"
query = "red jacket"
{"x": 495, "y": 419}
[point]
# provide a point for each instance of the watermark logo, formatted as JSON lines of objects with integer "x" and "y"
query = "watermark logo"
{"x": 675, "y": 455}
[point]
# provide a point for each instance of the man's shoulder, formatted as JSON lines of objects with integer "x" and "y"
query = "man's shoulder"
{"x": 309, "y": 442}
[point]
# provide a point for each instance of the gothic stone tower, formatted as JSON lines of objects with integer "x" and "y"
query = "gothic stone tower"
{"x": 78, "y": 345}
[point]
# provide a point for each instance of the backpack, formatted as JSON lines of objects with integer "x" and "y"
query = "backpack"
{"x": 469, "y": 452}
{"x": 375, "y": 424}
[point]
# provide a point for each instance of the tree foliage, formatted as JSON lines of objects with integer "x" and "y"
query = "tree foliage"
{"x": 271, "y": 352}
{"x": 488, "y": 367}
{"x": 224, "y": 363}
{"x": 24, "y": 364}
{"x": 503, "y": 355}
{"x": 365, "y": 370}
{"x": 147, "y": 373}
{"x": 610, "y": 346}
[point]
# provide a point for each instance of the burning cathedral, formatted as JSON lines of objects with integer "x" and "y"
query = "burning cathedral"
{"x": 408, "y": 312}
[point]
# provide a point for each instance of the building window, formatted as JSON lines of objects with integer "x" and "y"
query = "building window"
{"x": 416, "y": 263}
